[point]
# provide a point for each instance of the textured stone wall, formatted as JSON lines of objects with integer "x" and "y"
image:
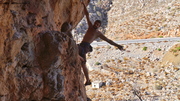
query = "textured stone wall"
{"x": 37, "y": 62}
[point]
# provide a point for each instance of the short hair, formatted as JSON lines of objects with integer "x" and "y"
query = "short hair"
{"x": 99, "y": 21}
{"x": 65, "y": 27}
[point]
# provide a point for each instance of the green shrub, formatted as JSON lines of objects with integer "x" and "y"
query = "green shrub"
{"x": 144, "y": 48}
{"x": 158, "y": 87}
{"x": 174, "y": 50}
{"x": 159, "y": 49}
{"x": 178, "y": 48}
{"x": 97, "y": 63}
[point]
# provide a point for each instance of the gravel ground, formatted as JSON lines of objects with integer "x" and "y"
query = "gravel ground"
{"x": 135, "y": 74}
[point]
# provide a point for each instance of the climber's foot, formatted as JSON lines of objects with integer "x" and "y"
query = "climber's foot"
{"x": 88, "y": 83}
{"x": 88, "y": 99}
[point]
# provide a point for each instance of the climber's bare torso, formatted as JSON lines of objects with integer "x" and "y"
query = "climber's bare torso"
{"x": 91, "y": 34}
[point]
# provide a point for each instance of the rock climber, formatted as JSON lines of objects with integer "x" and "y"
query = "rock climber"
{"x": 92, "y": 33}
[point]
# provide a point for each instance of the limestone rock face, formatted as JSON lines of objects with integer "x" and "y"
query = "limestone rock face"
{"x": 37, "y": 62}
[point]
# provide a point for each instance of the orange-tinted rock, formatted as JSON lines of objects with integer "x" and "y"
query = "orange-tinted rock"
{"x": 37, "y": 62}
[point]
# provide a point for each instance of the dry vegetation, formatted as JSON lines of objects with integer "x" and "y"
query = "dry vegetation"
{"x": 135, "y": 79}
{"x": 151, "y": 21}
{"x": 173, "y": 55}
